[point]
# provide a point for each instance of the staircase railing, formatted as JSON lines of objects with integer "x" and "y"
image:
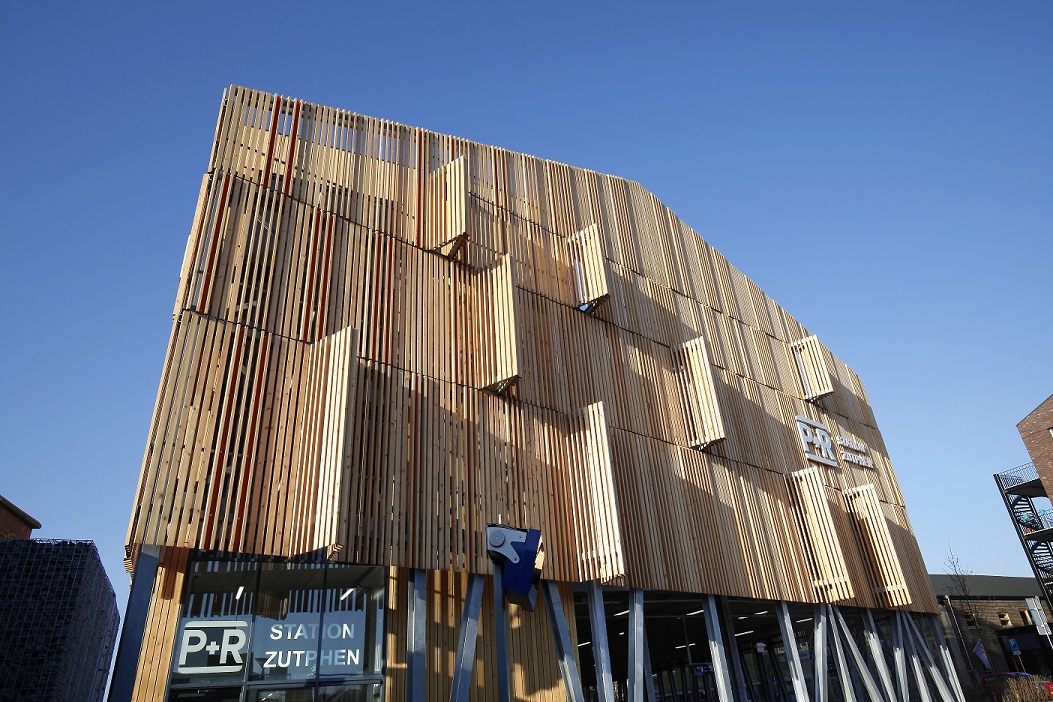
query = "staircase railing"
{"x": 1015, "y": 476}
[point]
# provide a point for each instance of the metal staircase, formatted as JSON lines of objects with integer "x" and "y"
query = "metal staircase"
{"x": 1019, "y": 487}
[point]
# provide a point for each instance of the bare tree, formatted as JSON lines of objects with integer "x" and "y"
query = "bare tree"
{"x": 962, "y": 599}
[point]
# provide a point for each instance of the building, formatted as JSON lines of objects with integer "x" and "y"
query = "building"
{"x": 14, "y": 523}
{"x": 58, "y": 615}
{"x": 386, "y": 340}
{"x": 1025, "y": 491}
{"x": 994, "y": 610}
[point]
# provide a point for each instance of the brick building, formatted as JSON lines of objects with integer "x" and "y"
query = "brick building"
{"x": 58, "y": 615}
{"x": 992, "y": 609}
{"x": 1026, "y": 491}
{"x": 14, "y": 523}
{"x": 1036, "y": 430}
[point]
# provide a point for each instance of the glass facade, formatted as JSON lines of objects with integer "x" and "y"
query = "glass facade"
{"x": 281, "y": 631}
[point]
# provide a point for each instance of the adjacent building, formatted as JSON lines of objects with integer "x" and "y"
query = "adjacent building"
{"x": 14, "y": 523}
{"x": 1026, "y": 489}
{"x": 386, "y": 339}
{"x": 58, "y": 615}
{"x": 991, "y": 625}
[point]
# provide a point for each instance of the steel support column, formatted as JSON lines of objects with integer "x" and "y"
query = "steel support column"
{"x": 744, "y": 690}
{"x": 844, "y": 675}
{"x": 899, "y": 656}
{"x": 134, "y": 626}
{"x": 568, "y": 665}
{"x": 416, "y": 626}
{"x": 934, "y": 672}
{"x": 877, "y": 655}
{"x": 721, "y": 677}
{"x": 466, "y": 640}
{"x": 819, "y": 653}
{"x": 500, "y": 635}
{"x": 648, "y": 675}
{"x": 601, "y": 651}
{"x": 869, "y": 684}
{"x": 636, "y": 645}
{"x": 789, "y": 641}
{"x": 915, "y": 663}
{"x": 945, "y": 657}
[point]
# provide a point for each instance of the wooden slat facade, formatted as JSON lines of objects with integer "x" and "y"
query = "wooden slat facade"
{"x": 381, "y": 344}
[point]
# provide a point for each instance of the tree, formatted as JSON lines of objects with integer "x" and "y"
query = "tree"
{"x": 961, "y": 588}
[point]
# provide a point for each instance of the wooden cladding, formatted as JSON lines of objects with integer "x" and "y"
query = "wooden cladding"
{"x": 448, "y": 208}
{"x": 379, "y": 347}
{"x": 589, "y": 269}
{"x": 277, "y": 447}
{"x": 698, "y": 396}
{"x": 819, "y": 537}
{"x": 500, "y": 321}
{"x": 595, "y": 509}
{"x": 876, "y": 542}
{"x": 162, "y": 621}
{"x": 814, "y": 375}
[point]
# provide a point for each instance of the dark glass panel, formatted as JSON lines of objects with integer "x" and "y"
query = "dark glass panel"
{"x": 212, "y": 643}
{"x": 349, "y": 693}
{"x": 288, "y": 621}
{"x": 206, "y": 695}
{"x": 352, "y": 595}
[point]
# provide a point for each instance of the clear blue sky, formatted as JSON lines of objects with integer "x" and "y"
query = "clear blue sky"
{"x": 884, "y": 170}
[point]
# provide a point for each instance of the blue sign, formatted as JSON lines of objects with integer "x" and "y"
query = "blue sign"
{"x": 703, "y": 669}
{"x": 1013, "y": 647}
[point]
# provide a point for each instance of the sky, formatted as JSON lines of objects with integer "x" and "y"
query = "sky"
{"x": 883, "y": 170}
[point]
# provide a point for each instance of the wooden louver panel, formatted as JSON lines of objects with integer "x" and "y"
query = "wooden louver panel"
{"x": 589, "y": 269}
{"x": 498, "y": 320}
{"x": 591, "y": 497}
{"x": 698, "y": 396}
{"x": 448, "y": 207}
{"x": 819, "y": 536}
{"x": 326, "y": 475}
{"x": 876, "y": 542}
{"x": 812, "y": 370}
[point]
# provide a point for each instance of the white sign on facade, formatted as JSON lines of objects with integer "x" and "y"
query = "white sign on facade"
{"x": 854, "y": 451}
{"x": 292, "y": 645}
{"x": 212, "y": 646}
{"x": 1038, "y": 615}
{"x": 816, "y": 441}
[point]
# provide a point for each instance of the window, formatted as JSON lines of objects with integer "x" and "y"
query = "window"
{"x": 970, "y": 620}
{"x": 253, "y": 624}
{"x": 1025, "y": 616}
{"x": 1003, "y": 619}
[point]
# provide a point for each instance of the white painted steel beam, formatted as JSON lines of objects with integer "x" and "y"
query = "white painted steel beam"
{"x": 415, "y": 640}
{"x": 877, "y": 655}
{"x": 721, "y": 674}
{"x": 800, "y": 690}
{"x": 601, "y": 652}
{"x": 568, "y": 665}
{"x": 819, "y": 653}
{"x": 466, "y": 640}
{"x": 636, "y": 645}
{"x": 869, "y": 684}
